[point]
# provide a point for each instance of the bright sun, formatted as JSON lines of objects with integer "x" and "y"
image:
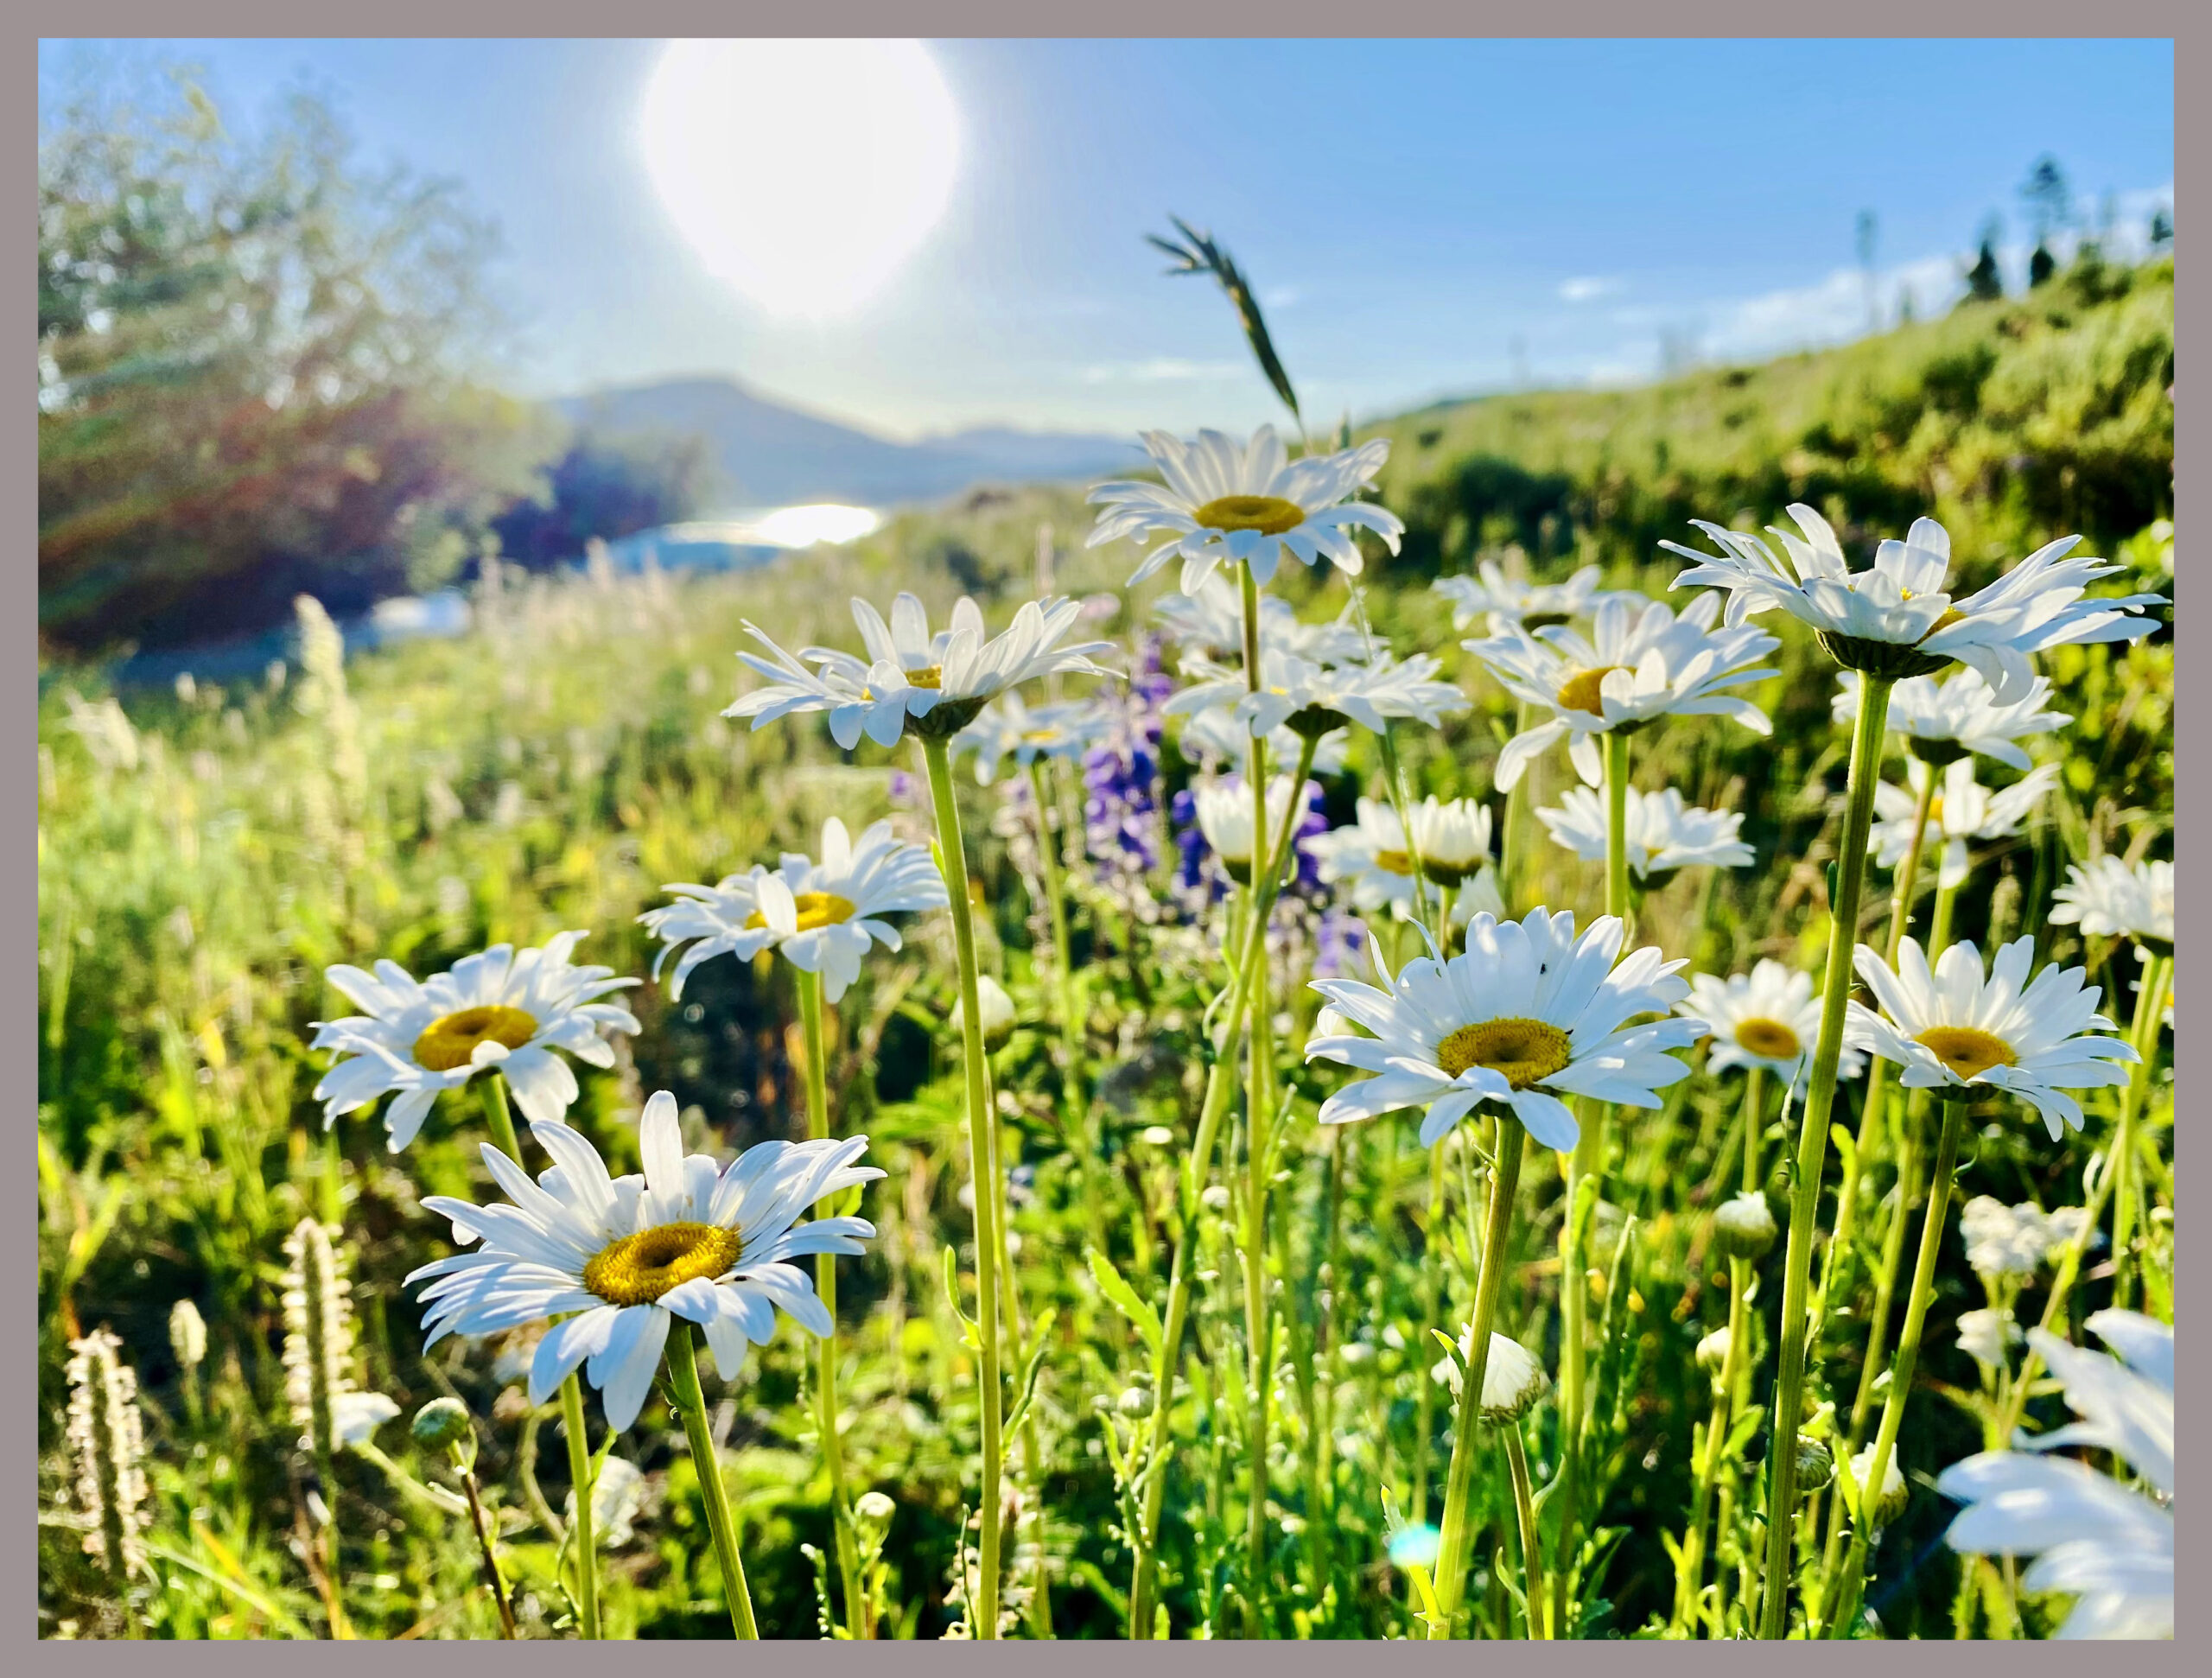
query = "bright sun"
{"x": 804, "y": 172}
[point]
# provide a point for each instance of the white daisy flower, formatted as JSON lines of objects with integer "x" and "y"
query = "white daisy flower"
{"x": 1212, "y": 621}
{"x": 1224, "y": 808}
{"x": 1503, "y": 600}
{"x": 688, "y": 1238}
{"x": 502, "y": 1007}
{"x": 1214, "y": 740}
{"x": 1007, "y": 726}
{"x": 1952, "y": 1031}
{"x": 913, "y": 681}
{"x": 1250, "y": 504}
{"x": 1663, "y": 834}
{"x": 1896, "y": 619}
{"x": 1640, "y": 662}
{"x": 1312, "y": 700}
{"x": 1948, "y": 720}
{"x": 1527, "y": 1010}
{"x": 2106, "y": 1544}
{"x": 2006, "y": 1241}
{"x": 1767, "y": 1018}
{"x": 355, "y": 1417}
{"x": 1371, "y": 856}
{"x": 1962, "y": 808}
{"x": 822, "y": 917}
{"x": 2110, "y": 898}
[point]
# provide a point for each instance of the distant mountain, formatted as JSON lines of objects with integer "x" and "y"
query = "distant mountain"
{"x": 771, "y": 455}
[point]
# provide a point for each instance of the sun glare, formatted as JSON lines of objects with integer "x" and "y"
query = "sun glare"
{"x": 804, "y": 172}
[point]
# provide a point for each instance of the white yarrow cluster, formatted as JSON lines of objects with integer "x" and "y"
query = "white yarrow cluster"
{"x": 2015, "y": 1241}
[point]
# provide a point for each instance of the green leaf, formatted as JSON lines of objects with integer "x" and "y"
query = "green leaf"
{"x": 1142, "y": 1316}
{"x": 969, "y": 1332}
{"x": 1747, "y": 1425}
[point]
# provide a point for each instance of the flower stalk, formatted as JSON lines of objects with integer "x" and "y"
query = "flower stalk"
{"x": 982, "y": 1143}
{"x": 825, "y": 1285}
{"x": 1454, "y": 1544}
{"x": 692, "y": 1404}
{"x": 1846, "y": 1590}
{"x": 1812, "y": 1151}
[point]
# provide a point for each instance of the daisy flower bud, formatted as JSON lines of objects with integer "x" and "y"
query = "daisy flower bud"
{"x": 996, "y": 1008}
{"x": 1743, "y": 1227}
{"x": 1889, "y": 1503}
{"x": 442, "y": 1422}
{"x": 1816, "y": 1464}
{"x": 1713, "y": 1351}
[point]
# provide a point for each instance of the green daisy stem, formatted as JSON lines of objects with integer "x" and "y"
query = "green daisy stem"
{"x": 983, "y": 1150}
{"x": 2126, "y": 1188}
{"x": 1532, "y": 1542}
{"x": 1812, "y": 1152}
{"x": 825, "y": 1285}
{"x": 706, "y": 1461}
{"x": 1585, "y": 1166}
{"x": 1512, "y": 842}
{"x": 465, "y": 1470}
{"x": 1453, "y": 1544}
{"x": 492, "y": 1091}
{"x": 580, "y": 1528}
{"x": 1901, "y": 1372}
{"x": 1871, "y": 1114}
{"x": 1754, "y": 1129}
{"x": 1434, "y": 1252}
{"x": 1220, "y": 1083}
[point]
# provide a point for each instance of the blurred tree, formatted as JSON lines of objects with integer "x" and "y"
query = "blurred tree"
{"x": 608, "y": 487}
{"x": 2162, "y": 228}
{"x": 246, "y": 384}
{"x": 2050, "y": 206}
{"x": 1986, "y": 279}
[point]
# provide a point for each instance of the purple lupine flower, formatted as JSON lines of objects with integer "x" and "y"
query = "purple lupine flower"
{"x": 1340, "y": 946}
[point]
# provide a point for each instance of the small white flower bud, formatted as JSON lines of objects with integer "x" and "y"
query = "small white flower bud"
{"x": 1216, "y": 1196}
{"x": 996, "y": 1008}
{"x": 1713, "y": 1351}
{"x": 188, "y": 1335}
{"x": 1887, "y": 1504}
{"x": 1744, "y": 1228}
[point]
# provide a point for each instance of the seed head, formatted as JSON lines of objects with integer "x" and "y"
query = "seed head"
{"x": 106, "y": 1438}
{"x": 318, "y": 1333}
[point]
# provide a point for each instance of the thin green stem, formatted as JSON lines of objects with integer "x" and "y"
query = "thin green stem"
{"x": 1452, "y": 1545}
{"x": 706, "y": 1461}
{"x": 809, "y": 986}
{"x": 1812, "y": 1153}
{"x": 1532, "y": 1543}
{"x": 982, "y": 1148}
{"x": 492, "y": 1091}
{"x": 1221, "y": 1085}
{"x": 1585, "y": 1172}
{"x": 2126, "y": 1188}
{"x": 1902, "y": 1371}
{"x": 580, "y": 1528}
{"x": 1432, "y": 1319}
{"x": 467, "y": 1473}
{"x": 1512, "y": 844}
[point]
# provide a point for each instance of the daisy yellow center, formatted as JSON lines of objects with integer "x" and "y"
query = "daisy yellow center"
{"x": 1042, "y": 736}
{"x": 1394, "y": 862}
{"x": 1951, "y": 616}
{"x": 1967, "y": 1051}
{"x": 816, "y": 909}
{"x": 1522, "y": 1050}
{"x": 929, "y": 676}
{"x": 1768, "y": 1039}
{"x": 637, "y": 1269}
{"x": 1581, "y": 691}
{"x": 1270, "y": 515}
{"x": 451, "y": 1040}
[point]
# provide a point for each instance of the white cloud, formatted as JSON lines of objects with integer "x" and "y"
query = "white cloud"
{"x": 1586, "y": 287}
{"x": 1159, "y": 369}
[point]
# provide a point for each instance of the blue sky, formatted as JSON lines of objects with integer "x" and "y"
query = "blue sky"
{"x": 1422, "y": 218}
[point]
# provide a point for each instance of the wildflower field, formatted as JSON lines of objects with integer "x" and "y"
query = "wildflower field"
{"x": 1462, "y": 1057}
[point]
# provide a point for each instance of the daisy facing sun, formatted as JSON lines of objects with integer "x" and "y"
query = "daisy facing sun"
{"x": 1528, "y": 1013}
{"x": 501, "y": 1009}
